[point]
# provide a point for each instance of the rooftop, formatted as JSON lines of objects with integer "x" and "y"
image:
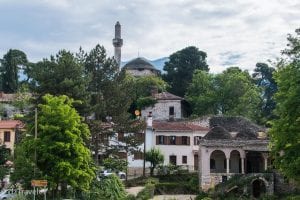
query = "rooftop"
{"x": 177, "y": 126}
{"x": 166, "y": 96}
{"x": 139, "y": 63}
{"x": 10, "y": 124}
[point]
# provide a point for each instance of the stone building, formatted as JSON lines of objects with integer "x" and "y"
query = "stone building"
{"x": 233, "y": 145}
{"x": 140, "y": 67}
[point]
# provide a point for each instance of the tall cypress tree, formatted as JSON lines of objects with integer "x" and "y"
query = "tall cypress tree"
{"x": 10, "y": 64}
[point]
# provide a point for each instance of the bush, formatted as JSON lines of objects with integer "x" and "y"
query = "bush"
{"x": 146, "y": 193}
{"x": 140, "y": 181}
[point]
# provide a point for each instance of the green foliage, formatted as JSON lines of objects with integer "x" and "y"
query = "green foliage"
{"x": 22, "y": 99}
{"x": 145, "y": 84}
{"x": 140, "y": 181}
{"x": 60, "y": 75}
{"x": 62, "y": 156}
{"x": 24, "y": 163}
{"x": 61, "y": 150}
{"x": 145, "y": 102}
{"x": 285, "y": 131}
{"x": 9, "y": 67}
{"x": 111, "y": 187}
{"x": 155, "y": 157}
{"x": 147, "y": 192}
{"x": 263, "y": 78}
{"x": 181, "y": 67}
{"x": 229, "y": 93}
{"x": 115, "y": 164}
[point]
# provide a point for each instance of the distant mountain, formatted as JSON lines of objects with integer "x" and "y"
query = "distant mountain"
{"x": 158, "y": 63}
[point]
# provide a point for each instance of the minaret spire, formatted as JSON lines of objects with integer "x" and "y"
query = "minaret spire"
{"x": 118, "y": 43}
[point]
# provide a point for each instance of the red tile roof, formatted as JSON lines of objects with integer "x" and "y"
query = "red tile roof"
{"x": 10, "y": 124}
{"x": 177, "y": 126}
{"x": 7, "y": 97}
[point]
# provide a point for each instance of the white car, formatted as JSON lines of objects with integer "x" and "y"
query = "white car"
{"x": 107, "y": 172}
{"x": 8, "y": 194}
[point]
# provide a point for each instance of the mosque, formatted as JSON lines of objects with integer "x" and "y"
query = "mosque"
{"x": 138, "y": 66}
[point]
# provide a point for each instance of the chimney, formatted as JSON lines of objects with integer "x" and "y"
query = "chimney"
{"x": 154, "y": 91}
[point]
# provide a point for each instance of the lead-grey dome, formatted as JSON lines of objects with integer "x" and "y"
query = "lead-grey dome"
{"x": 139, "y": 63}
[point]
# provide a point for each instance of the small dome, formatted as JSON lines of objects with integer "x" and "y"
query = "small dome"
{"x": 139, "y": 63}
{"x": 217, "y": 133}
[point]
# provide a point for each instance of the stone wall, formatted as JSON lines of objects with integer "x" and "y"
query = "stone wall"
{"x": 160, "y": 111}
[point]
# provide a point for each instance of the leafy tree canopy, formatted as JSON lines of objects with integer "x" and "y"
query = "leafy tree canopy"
{"x": 285, "y": 131}
{"x": 9, "y": 68}
{"x": 181, "y": 67}
{"x": 155, "y": 157}
{"x": 263, "y": 77}
{"x": 62, "y": 155}
{"x": 60, "y": 75}
{"x": 230, "y": 93}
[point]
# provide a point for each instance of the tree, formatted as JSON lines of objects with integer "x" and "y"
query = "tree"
{"x": 155, "y": 157}
{"x": 60, "y": 75}
{"x": 143, "y": 87}
{"x": 181, "y": 67}
{"x": 285, "y": 131}
{"x": 112, "y": 94}
{"x": 24, "y": 163}
{"x": 263, "y": 77}
{"x": 4, "y": 154}
{"x": 109, "y": 187}
{"x": 62, "y": 155}
{"x": 230, "y": 93}
{"x": 10, "y": 64}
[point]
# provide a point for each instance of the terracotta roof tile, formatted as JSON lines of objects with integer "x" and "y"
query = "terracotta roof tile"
{"x": 9, "y": 124}
{"x": 177, "y": 126}
{"x": 7, "y": 97}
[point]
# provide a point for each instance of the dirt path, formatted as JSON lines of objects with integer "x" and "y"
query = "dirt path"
{"x": 134, "y": 190}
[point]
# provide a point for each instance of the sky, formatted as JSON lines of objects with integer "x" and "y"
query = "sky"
{"x": 231, "y": 32}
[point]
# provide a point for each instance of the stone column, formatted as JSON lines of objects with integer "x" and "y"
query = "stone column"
{"x": 243, "y": 165}
{"x": 265, "y": 156}
{"x": 227, "y": 165}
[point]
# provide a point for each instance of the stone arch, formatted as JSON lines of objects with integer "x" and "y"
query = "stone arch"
{"x": 235, "y": 165}
{"x": 217, "y": 162}
{"x": 259, "y": 187}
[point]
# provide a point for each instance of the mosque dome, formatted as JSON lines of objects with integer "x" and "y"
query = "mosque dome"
{"x": 140, "y": 67}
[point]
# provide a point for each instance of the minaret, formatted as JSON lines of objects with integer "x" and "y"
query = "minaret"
{"x": 118, "y": 43}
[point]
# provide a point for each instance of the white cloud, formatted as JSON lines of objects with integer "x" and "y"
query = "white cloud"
{"x": 249, "y": 31}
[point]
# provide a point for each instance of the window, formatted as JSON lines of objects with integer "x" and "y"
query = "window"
{"x": 212, "y": 164}
{"x": 120, "y": 136}
{"x": 197, "y": 140}
{"x": 6, "y": 136}
{"x": 171, "y": 110}
{"x": 161, "y": 139}
{"x": 172, "y": 140}
{"x": 172, "y": 160}
{"x": 184, "y": 140}
{"x": 184, "y": 159}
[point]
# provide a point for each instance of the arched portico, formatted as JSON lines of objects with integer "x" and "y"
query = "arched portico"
{"x": 217, "y": 162}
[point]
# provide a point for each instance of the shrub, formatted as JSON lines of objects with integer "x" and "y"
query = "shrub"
{"x": 146, "y": 193}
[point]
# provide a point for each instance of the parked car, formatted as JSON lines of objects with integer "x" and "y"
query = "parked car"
{"x": 8, "y": 194}
{"x": 108, "y": 172}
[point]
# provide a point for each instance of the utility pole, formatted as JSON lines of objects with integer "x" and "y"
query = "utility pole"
{"x": 35, "y": 138}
